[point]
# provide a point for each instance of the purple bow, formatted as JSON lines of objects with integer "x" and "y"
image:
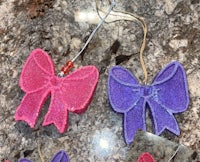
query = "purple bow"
{"x": 60, "y": 156}
{"x": 167, "y": 94}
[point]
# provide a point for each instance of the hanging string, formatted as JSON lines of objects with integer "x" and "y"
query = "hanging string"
{"x": 174, "y": 153}
{"x": 123, "y": 15}
{"x": 40, "y": 153}
{"x": 95, "y": 30}
{"x": 69, "y": 64}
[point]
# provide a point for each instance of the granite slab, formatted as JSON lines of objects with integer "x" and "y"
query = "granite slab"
{"x": 61, "y": 27}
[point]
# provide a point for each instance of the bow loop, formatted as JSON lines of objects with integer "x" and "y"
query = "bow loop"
{"x": 146, "y": 157}
{"x": 173, "y": 88}
{"x": 36, "y": 71}
{"x": 60, "y": 156}
{"x": 81, "y": 85}
{"x": 123, "y": 89}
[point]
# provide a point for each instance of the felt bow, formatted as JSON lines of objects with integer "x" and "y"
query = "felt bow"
{"x": 167, "y": 94}
{"x": 60, "y": 156}
{"x": 71, "y": 93}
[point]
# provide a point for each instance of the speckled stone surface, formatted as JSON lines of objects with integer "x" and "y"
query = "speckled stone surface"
{"x": 57, "y": 27}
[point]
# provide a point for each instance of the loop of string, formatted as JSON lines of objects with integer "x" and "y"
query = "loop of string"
{"x": 123, "y": 15}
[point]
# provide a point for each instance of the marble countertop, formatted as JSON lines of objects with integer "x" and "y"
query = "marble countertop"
{"x": 61, "y": 28}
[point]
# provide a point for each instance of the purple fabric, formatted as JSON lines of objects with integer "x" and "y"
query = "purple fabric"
{"x": 60, "y": 156}
{"x": 24, "y": 160}
{"x": 167, "y": 94}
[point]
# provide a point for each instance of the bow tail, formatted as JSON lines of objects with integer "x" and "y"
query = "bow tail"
{"x": 134, "y": 120}
{"x": 162, "y": 118}
{"x": 30, "y": 106}
{"x": 57, "y": 113}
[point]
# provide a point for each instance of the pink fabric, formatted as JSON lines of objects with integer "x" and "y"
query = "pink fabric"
{"x": 145, "y": 157}
{"x": 71, "y": 93}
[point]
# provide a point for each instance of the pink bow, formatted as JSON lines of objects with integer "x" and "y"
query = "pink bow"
{"x": 71, "y": 93}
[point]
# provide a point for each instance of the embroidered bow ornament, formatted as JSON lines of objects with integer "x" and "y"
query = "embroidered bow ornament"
{"x": 70, "y": 93}
{"x": 167, "y": 94}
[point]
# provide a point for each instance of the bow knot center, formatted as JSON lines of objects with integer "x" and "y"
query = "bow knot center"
{"x": 146, "y": 90}
{"x": 56, "y": 82}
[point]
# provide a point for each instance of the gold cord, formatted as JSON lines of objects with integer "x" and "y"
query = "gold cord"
{"x": 40, "y": 153}
{"x": 123, "y": 15}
